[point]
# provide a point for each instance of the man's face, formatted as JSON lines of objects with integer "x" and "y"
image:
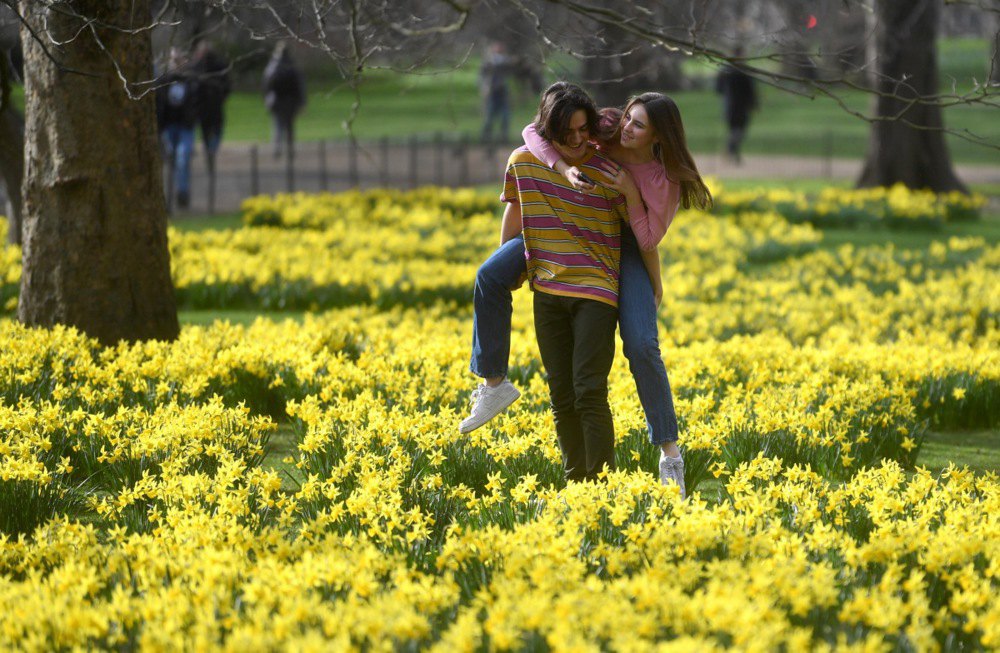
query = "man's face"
{"x": 573, "y": 143}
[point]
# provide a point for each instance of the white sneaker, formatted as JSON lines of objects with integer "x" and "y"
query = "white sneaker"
{"x": 672, "y": 471}
{"x": 487, "y": 403}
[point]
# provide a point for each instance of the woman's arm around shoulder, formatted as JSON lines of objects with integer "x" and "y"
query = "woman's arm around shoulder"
{"x": 540, "y": 148}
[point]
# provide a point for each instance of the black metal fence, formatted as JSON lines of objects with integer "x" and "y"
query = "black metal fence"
{"x": 244, "y": 170}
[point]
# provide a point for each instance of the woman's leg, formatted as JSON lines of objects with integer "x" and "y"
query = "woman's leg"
{"x": 492, "y": 305}
{"x": 491, "y": 333}
{"x": 640, "y": 343}
{"x": 637, "y": 319}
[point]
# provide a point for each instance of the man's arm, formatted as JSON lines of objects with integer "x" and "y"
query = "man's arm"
{"x": 510, "y": 227}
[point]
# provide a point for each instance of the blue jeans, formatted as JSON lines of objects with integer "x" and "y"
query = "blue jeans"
{"x": 641, "y": 344}
{"x": 492, "y": 305}
{"x": 636, "y": 318}
{"x": 179, "y": 144}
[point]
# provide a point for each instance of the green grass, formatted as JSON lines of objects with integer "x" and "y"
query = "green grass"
{"x": 394, "y": 107}
{"x": 786, "y": 124}
{"x": 447, "y": 102}
{"x": 979, "y": 450}
{"x": 282, "y": 445}
{"x": 204, "y": 318}
{"x": 197, "y": 222}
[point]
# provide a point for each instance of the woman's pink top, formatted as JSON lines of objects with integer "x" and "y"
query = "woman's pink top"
{"x": 660, "y": 196}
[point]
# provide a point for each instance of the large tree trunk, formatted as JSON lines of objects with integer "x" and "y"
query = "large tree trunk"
{"x": 95, "y": 242}
{"x": 916, "y": 156}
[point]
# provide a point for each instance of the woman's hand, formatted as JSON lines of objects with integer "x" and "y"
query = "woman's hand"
{"x": 658, "y": 294}
{"x": 621, "y": 180}
{"x": 572, "y": 175}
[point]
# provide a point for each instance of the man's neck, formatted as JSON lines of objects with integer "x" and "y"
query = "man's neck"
{"x": 570, "y": 159}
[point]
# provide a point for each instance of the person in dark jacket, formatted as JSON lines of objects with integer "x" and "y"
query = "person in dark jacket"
{"x": 493, "y": 73}
{"x": 284, "y": 96}
{"x": 214, "y": 85}
{"x": 177, "y": 115}
{"x": 739, "y": 97}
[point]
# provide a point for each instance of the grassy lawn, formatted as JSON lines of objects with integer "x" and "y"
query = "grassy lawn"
{"x": 244, "y": 317}
{"x": 395, "y": 106}
{"x": 979, "y": 450}
{"x": 219, "y": 221}
{"x": 786, "y": 124}
{"x": 282, "y": 445}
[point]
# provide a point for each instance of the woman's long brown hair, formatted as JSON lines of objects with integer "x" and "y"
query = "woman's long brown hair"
{"x": 671, "y": 149}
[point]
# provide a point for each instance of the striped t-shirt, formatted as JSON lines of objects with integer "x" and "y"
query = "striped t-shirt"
{"x": 572, "y": 239}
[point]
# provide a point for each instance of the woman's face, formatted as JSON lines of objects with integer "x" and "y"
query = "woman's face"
{"x": 637, "y": 133}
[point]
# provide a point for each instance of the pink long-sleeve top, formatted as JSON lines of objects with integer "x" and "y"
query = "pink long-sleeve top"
{"x": 660, "y": 196}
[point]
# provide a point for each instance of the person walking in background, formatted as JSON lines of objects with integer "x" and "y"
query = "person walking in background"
{"x": 572, "y": 241}
{"x": 739, "y": 97}
{"x": 214, "y": 85}
{"x": 177, "y": 114}
{"x": 493, "y": 74}
{"x": 284, "y": 97}
{"x": 212, "y": 71}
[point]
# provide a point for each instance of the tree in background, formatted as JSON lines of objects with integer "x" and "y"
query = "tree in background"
{"x": 906, "y": 143}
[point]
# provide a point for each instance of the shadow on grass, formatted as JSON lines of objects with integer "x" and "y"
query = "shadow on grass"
{"x": 202, "y": 222}
{"x": 978, "y": 450}
{"x": 244, "y": 317}
{"x": 283, "y": 445}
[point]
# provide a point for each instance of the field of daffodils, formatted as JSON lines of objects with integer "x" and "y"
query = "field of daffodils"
{"x": 143, "y": 506}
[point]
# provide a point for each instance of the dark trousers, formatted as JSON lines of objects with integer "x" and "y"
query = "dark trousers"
{"x": 576, "y": 338}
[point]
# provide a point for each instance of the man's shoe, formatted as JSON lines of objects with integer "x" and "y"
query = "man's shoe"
{"x": 672, "y": 471}
{"x": 487, "y": 403}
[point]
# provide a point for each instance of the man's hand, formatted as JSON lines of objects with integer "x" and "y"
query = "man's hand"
{"x": 574, "y": 176}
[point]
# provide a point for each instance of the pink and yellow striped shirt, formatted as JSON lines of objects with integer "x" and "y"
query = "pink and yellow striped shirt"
{"x": 572, "y": 239}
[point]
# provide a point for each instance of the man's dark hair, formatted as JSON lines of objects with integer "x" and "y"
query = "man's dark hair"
{"x": 559, "y": 102}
